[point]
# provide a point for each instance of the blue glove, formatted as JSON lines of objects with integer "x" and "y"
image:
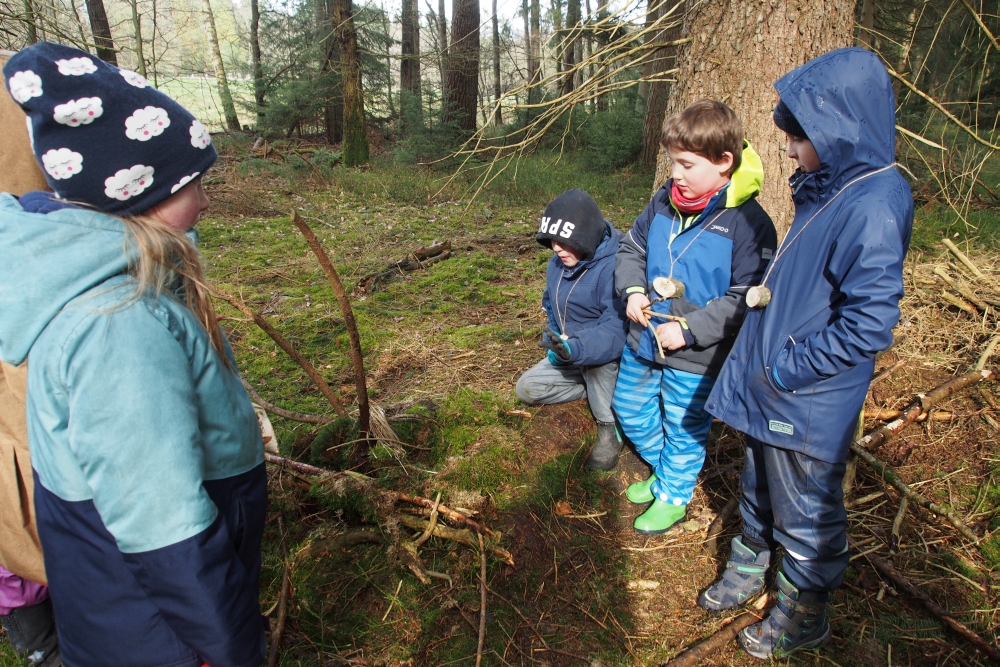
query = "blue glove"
{"x": 558, "y": 349}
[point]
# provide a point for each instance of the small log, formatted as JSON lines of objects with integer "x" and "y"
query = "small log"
{"x": 357, "y": 358}
{"x": 424, "y": 252}
{"x": 351, "y": 538}
{"x": 897, "y": 525}
{"x": 882, "y": 414}
{"x": 946, "y": 616}
{"x": 961, "y": 288}
{"x": 719, "y": 524}
{"x": 721, "y": 638}
{"x": 960, "y": 256}
{"x": 961, "y": 304}
{"x": 286, "y": 588}
{"x": 285, "y": 345}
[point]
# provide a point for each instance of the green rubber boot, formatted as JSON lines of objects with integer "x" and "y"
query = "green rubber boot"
{"x": 659, "y": 518}
{"x": 641, "y": 492}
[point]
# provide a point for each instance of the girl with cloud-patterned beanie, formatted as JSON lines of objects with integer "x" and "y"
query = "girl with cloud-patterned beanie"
{"x": 150, "y": 488}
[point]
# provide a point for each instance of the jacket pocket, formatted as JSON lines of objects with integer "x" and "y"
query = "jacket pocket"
{"x": 769, "y": 369}
{"x": 239, "y": 529}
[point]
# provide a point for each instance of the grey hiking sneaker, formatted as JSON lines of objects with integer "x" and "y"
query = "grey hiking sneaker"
{"x": 31, "y": 631}
{"x": 797, "y": 621}
{"x": 604, "y": 455}
{"x": 743, "y": 579}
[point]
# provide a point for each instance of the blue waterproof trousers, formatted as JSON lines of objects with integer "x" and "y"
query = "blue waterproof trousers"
{"x": 798, "y": 502}
{"x": 662, "y": 411}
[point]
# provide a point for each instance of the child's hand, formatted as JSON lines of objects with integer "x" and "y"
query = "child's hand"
{"x": 671, "y": 336}
{"x": 635, "y": 305}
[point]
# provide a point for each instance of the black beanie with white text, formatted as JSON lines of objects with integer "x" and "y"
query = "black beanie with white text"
{"x": 574, "y": 220}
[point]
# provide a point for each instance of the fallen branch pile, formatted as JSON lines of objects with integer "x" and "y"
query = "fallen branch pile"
{"x": 421, "y": 258}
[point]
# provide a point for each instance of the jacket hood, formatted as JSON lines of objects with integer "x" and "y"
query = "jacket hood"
{"x": 844, "y": 102}
{"x": 608, "y": 246}
{"x": 747, "y": 179}
{"x": 49, "y": 260}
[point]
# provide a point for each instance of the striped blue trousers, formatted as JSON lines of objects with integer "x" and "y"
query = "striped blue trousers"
{"x": 662, "y": 411}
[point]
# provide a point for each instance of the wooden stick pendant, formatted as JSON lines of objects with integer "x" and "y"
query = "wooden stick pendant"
{"x": 668, "y": 288}
{"x": 758, "y": 297}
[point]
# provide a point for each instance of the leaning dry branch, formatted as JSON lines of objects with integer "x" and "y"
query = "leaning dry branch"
{"x": 285, "y": 345}
{"x": 357, "y": 359}
{"x": 946, "y": 616}
{"x": 985, "y": 356}
{"x": 920, "y": 405}
{"x": 281, "y": 412}
{"x": 719, "y": 524}
{"x": 961, "y": 288}
{"x": 286, "y": 588}
{"x": 313, "y": 471}
{"x": 893, "y": 479}
{"x": 720, "y": 639}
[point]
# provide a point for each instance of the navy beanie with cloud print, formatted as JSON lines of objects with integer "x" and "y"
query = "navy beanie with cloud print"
{"x": 103, "y": 135}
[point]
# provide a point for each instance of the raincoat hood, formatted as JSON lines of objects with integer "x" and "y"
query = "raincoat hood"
{"x": 747, "y": 179}
{"x": 845, "y": 104}
{"x": 49, "y": 260}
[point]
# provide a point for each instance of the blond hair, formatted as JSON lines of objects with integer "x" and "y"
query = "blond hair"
{"x": 164, "y": 261}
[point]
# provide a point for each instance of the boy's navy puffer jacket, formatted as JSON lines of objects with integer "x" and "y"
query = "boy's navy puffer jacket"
{"x": 835, "y": 290}
{"x": 594, "y": 318}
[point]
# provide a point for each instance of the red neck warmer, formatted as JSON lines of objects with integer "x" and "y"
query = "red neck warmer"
{"x": 685, "y": 205}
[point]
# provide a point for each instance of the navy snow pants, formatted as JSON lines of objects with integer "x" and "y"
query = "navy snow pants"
{"x": 798, "y": 502}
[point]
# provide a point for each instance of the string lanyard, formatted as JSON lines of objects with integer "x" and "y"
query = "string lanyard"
{"x": 760, "y": 295}
{"x": 670, "y": 243}
{"x": 561, "y": 317}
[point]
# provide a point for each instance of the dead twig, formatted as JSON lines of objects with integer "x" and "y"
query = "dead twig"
{"x": 719, "y": 524}
{"x": 920, "y": 405}
{"x": 286, "y": 587}
{"x": 357, "y": 359}
{"x": 281, "y": 412}
{"x": 721, "y": 638}
{"x": 985, "y": 356}
{"x": 285, "y": 345}
{"x": 961, "y": 256}
{"x": 461, "y": 535}
{"x": 452, "y": 515}
{"x": 946, "y": 617}
{"x": 897, "y": 525}
{"x": 482, "y": 601}
{"x": 887, "y": 372}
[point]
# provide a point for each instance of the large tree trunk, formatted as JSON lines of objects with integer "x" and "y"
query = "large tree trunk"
{"x": 570, "y": 43}
{"x": 258, "y": 70}
{"x": 658, "y": 93}
{"x": 326, "y": 33}
{"x": 355, "y": 134}
{"x": 738, "y": 50}
{"x": 228, "y": 108}
{"x": 462, "y": 86}
{"x": 30, "y": 21}
{"x": 101, "y": 29}
{"x": 442, "y": 26}
{"x": 535, "y": 93}
{"x": 497, "y": 115}
{"x": 529, "y": 63}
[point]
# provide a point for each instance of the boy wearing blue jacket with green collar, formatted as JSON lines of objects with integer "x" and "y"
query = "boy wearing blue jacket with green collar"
{"x": 585, "y": 333}
{"x": 705, "y": 236}
{"x": 800, "y": 369}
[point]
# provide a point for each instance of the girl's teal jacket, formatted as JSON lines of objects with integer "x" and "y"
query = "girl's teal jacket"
{"x": 150, "y": 485}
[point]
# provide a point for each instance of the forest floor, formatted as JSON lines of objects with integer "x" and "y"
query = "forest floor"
{"x": 451, "y": 340}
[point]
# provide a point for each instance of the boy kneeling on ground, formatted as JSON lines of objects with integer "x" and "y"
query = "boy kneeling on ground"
{"x": 586, "y": 323}
{"x": 800, "y": 369}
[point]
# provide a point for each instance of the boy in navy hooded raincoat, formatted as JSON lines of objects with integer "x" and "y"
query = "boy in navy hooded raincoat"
{"x": 586, "y": 323}
{"x": 799, "y": 372}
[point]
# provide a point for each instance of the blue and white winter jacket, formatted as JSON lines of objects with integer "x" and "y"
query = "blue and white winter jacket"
{"x": 800, "y": 369}
{"x": 594, "y": 318}
{"x": 718, "y": 255}
{"x": 150, "y": 488}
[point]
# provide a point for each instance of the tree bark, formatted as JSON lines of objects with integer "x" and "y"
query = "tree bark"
{"x": 571, "y": 39}
{"x": 101, "y": 29}
{"x": 497, "y": 114}
{"x": 409, "y": 63}
{"x": 30, "y": 15}
{"x": 442, "y": 26}
{"x": 867, "y": 23}
{"x": 333, "y": 114}
{"x": 462, "y": 85}
{"x": 355, "y": 133}
{"x": 535, "y": 93}
{"x": 137, "y": 26}
{"x": 658, "y": 94}
{"x": 738, "y": 50}
{"x": 228, "y": 108}
{"x": 529, "y": 63}
{"x": 258, "y": 70}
